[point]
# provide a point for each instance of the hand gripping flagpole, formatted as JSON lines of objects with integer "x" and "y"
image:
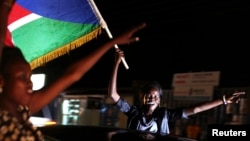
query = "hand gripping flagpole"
{"x": 105, "y": 26}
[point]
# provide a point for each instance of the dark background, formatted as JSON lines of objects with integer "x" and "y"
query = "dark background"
{"x": 181, "y": 36}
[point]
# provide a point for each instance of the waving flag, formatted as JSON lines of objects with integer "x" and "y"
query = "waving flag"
{"x": 47, "y": 29}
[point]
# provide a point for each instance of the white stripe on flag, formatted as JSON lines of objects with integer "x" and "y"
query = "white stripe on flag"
{"x": 22, "y": 21}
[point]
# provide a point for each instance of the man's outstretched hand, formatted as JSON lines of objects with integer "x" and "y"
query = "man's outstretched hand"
{"x": 235, "y": 97}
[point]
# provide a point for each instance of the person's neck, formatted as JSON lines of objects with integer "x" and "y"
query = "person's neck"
{"x": 10, "y": 107}
{"x": 149, "y": 110}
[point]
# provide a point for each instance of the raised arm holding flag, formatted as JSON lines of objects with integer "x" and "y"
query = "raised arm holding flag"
{"x": 5, "y": 6}
{"x": 17, "y": 99}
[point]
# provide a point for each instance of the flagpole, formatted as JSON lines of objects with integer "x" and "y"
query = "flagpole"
{"x": 105, "y": 26}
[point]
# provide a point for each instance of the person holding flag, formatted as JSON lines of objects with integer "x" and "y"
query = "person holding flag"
{"x": 149, "y": 116}
{"x": 17, "y": 99}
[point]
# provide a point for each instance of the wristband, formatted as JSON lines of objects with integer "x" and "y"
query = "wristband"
{"x": 224, "y": 100}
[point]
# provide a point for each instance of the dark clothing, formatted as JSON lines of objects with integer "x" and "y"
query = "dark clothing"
{"x": 162, "y": 116}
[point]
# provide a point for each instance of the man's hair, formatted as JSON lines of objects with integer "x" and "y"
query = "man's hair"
{"x": 10, "y": 54}
{"x": 152, "y": 85}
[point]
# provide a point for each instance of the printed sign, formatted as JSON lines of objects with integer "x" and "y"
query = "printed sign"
{"x": 197, "y": 78}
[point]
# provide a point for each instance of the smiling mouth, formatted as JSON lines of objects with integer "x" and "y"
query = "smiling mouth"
{"x": 150, "y": 103}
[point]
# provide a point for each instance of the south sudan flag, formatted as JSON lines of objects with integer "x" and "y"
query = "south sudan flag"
{"x": 47, "y": 29}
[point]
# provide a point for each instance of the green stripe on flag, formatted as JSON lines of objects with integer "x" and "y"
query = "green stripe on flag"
{"x": 50, "y": 39}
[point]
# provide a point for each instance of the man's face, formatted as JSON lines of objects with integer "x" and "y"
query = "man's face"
{"x": 152, "y": 98}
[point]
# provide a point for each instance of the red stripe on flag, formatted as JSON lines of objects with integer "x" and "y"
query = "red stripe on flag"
{"x": 14, "y": 17}
{"x": 8, "y": 39}
{"x": 17, "y": 15}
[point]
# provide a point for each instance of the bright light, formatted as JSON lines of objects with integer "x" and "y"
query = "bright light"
{"x": 41, "y": 121}
{"x": 38, "y": 81}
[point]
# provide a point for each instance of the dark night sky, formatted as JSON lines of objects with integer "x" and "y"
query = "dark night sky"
{"x": 181, "y": 36}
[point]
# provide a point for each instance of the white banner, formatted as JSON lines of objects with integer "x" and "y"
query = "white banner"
{"x": 201, "y": 93}
{"x": 197, "y": 78}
